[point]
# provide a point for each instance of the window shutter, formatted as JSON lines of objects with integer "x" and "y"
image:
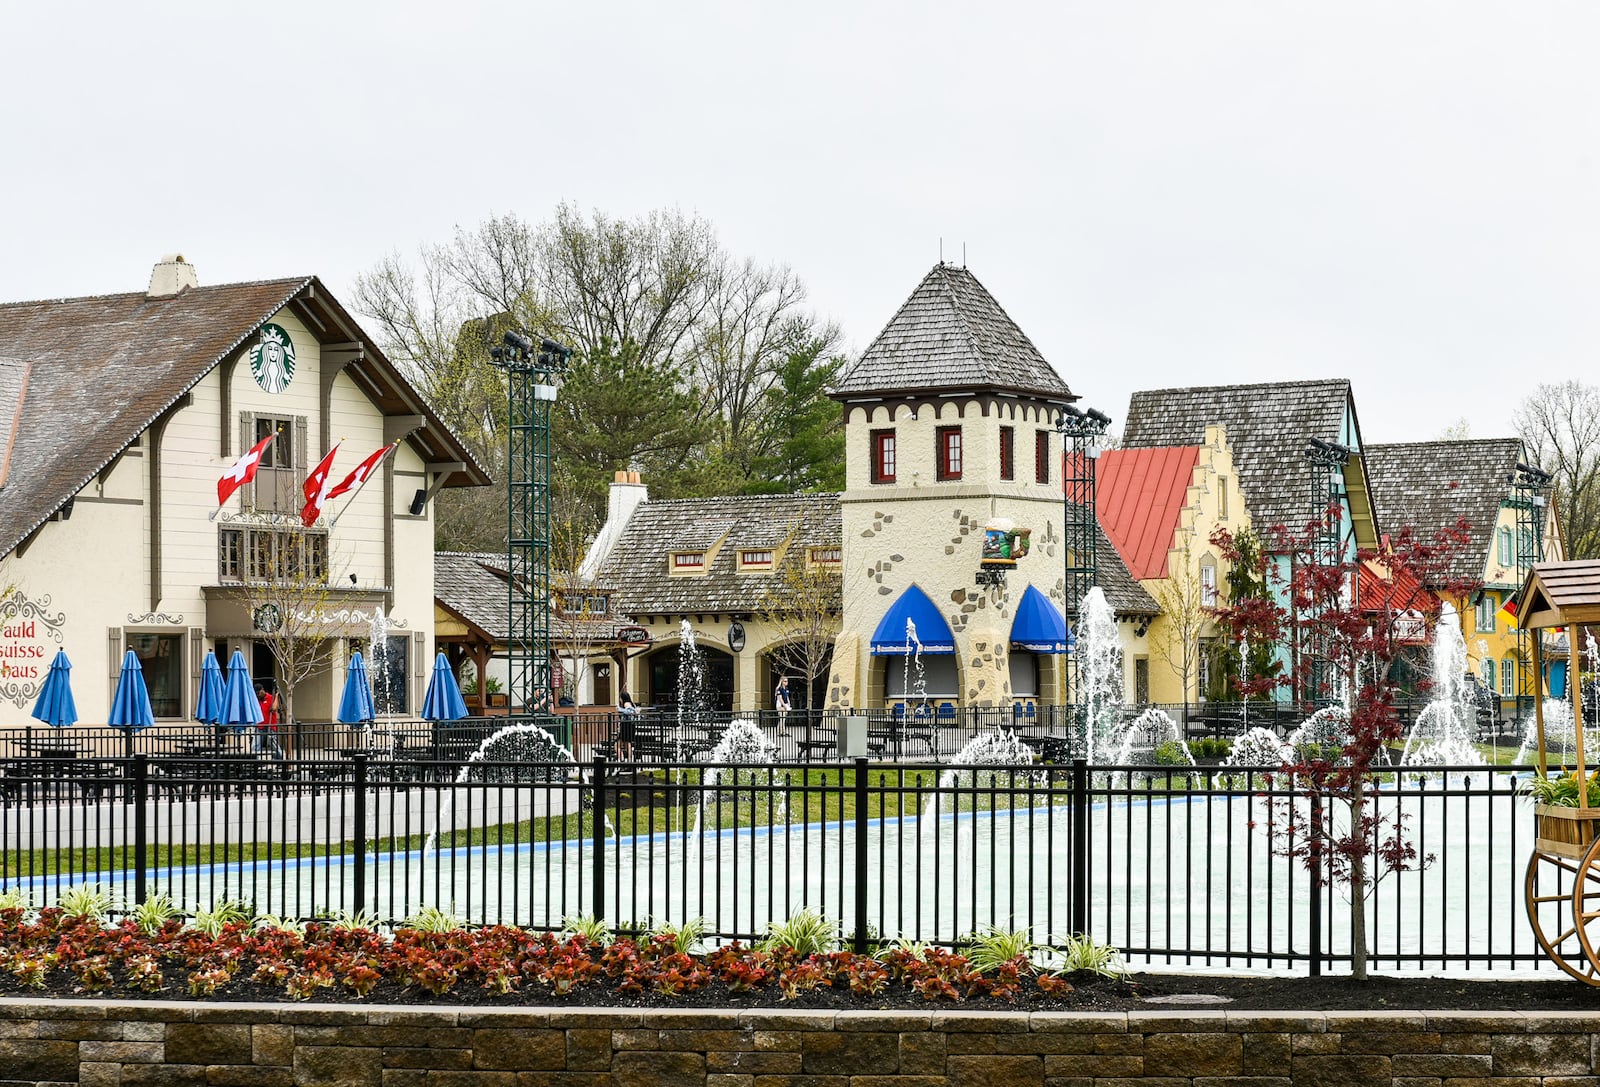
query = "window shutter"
{"x": 114, "y": 651}
{"x": 419, "y": 670}
{"x": 302, "y": 463}
{"x": 247, "y": 438}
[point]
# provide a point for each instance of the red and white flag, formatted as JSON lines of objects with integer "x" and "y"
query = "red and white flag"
{"x": 316, "y": 488}
{"x": 363, "y": 471}
{"x": 243, "y": 470}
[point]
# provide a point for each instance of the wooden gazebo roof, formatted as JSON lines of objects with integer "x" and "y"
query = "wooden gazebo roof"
{"x": 1560, "y": 593}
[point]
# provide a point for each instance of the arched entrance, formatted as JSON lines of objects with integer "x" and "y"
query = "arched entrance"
{"x": 790, "y": 660}
{"x": 662, "y": 666}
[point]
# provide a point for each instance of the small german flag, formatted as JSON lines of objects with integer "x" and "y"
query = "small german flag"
{"x": 1508, "y": 610}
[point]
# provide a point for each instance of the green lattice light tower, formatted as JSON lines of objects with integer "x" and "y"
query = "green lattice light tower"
{"x": 1083, "y": 429}
{"x": 1327, "y": 460}
{"x": 1528, "y": 485}
{"x": 531, "y": 374}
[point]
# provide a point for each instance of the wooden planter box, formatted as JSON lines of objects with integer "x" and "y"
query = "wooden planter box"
{"x": 1566, "y": 832}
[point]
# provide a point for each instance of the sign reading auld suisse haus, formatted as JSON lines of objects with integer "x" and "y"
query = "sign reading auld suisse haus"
{"x": 29, "y": 638}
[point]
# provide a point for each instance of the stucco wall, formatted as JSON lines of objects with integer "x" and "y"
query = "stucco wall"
{"x": 95, "y": 568}
{"x": 919, "y": 530}
{"x": 100, "y": 1044}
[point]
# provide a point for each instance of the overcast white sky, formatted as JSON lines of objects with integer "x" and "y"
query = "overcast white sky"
{"x": 1402, "y": 193}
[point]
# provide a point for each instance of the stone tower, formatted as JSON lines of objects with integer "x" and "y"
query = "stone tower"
{"x": 950, "y": 418}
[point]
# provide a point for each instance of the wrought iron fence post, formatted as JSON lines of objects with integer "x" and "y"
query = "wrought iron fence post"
{"x": 141, "y": 828}
{"x": 599, "y": 832}
{"x": 360, "y": 762}
{"x": 859, "y": 943}
{"x": 1316, "y": 889}
{"x": 1080, "y": 847}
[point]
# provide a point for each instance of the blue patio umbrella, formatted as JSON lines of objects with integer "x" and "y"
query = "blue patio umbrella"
{"x": 355, "y": 705}
{"x": 239, "y": 705}
{"x": 443, "y": 702}
{"x": 208, "y": 707}
{"x": 55, "y": 706}
{"x": 130, "y": 707}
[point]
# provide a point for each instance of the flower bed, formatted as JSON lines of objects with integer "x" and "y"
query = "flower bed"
{"x": 63, "y": 953}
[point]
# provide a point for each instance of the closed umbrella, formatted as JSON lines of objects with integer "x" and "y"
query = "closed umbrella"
{"x": 130, "y": 708}
{"x": 443, "y": 701}
{"x": 355, "y": 706}
{"x": 208, "y": 707}
{"x": 239, "y": 705}
{"x": 55, "y": 706}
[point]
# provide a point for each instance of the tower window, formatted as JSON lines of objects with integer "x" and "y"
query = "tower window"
{"x": 883, "y": 456}
{"x": 949, "y": 438}
{"x": 1041, "y": 455}
{"x": 1007, "y": 441}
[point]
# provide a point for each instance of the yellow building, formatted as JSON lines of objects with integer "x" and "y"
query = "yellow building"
{"x": 1431, "y": 486}
{"x": 1160, "y": 506}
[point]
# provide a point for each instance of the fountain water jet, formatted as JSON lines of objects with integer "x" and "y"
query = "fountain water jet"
{"x": 1152, "y": 739}
{"x": 1442, "y": 734}
{"x": 1099, "y": 653}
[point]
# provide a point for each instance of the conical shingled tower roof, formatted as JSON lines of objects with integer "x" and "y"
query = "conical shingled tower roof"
{"x": 951, "y": 334}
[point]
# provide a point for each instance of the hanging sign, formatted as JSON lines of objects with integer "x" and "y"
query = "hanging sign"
{"x": 272, "y": 359}
{"x": 29, "y": 637}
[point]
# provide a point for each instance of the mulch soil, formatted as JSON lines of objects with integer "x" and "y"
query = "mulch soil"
{"x": 1164, "y": 992}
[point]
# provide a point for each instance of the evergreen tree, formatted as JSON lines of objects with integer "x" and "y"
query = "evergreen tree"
{"x": 801, "y": 440}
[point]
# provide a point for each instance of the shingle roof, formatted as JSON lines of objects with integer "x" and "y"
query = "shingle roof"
{"x": 1139, "y": 495}
{"x": 951, "y": 334}
{"x": 102, "y": 369}
{"x": 473, "y": 585}
{"x": 638, "y": 564}
{"x": 1267, "y": 427}
{"x": 1431, "y": 485}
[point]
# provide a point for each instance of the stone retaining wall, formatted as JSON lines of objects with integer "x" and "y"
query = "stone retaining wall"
{"x": 155, "y": 1044}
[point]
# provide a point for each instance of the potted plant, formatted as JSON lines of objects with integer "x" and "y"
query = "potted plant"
{"x": 1564, "y": 827}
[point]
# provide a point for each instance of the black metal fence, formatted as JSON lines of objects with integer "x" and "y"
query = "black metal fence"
{"x": 1170, "y": 865}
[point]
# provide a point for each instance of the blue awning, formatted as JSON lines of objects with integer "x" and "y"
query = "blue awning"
{"x": 933, "y": 633}
{"x": 1039, "y": 626}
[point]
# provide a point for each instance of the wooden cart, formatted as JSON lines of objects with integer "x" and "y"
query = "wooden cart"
{"x": 1562, "y": 886}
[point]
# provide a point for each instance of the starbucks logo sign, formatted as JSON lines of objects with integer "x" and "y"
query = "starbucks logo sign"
{"x": 272, "y": 359}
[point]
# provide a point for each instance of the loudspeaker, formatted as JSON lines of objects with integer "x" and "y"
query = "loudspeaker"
{"x": 419, "y": 502}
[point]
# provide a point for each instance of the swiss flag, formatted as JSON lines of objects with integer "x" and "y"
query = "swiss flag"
{"x": 243, "y": 470}
{"x": 362, "y": 472}
{"x": 316, "y": 488}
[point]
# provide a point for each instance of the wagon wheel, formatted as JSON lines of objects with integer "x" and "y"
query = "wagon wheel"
{"x": 1563, "y": 899}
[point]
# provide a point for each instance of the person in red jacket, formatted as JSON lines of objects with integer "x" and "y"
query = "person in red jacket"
{"x": 267, "y": 730}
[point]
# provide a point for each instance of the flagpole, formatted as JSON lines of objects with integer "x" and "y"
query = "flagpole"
{"x": 334, "y": 521}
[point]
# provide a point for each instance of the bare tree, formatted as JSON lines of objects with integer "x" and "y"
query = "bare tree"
{"x": 580, "y": 620}
{"x": 286, "y": 592}
{"x": 1186, "y": 609}
{"x": 1560, "y": 425}
{"x": 802, "y": 608}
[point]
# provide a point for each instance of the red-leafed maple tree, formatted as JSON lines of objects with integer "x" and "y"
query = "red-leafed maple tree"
{"x": 1343, "y": 618}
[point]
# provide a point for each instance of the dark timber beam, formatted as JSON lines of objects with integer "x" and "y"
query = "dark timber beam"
{"x": 157, "y": 431}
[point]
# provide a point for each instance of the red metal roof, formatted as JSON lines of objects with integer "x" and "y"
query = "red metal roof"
{"x": 1139, "y": 494}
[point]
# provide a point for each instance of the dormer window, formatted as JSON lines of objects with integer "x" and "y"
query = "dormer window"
{"x": 755, "y": 560}
{"x": 688, "y": 562}
{"x": 827, "y": 556}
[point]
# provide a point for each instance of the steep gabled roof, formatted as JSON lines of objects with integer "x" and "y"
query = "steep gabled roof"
{"x": 1268, "y": 426}
{"x": 951, "y": 334}
{"x": 473, "y": 585}
{"x": 1429, "y": 486}
{"x": 1140, "y": 495}
{"x": 102, "y": 369}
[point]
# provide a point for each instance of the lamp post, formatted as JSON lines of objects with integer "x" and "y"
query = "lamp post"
{"x": 1528, "y": 485}
{"x": 1330, "y": 458}
{"x": 1083, "y": 429}
{"x": 531, "y": 372}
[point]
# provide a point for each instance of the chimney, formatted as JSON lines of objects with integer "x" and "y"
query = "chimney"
{"x": 171, "y": 276}
{"x": 627, "y": 493}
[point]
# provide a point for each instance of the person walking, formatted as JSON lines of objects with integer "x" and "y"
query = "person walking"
{"x": 629, "y": 714}
{"x": 267, "y": 730}
{"x": 780, "y": 701}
